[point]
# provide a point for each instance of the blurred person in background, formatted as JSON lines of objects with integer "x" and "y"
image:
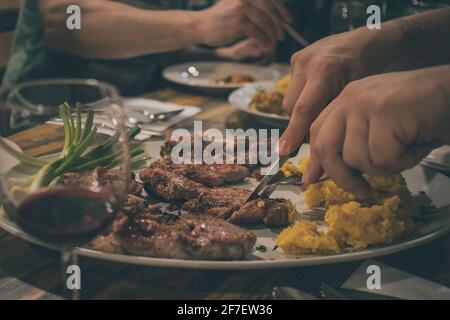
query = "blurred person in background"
{"x": 121, "y": 41}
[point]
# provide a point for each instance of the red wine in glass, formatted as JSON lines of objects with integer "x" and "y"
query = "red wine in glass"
{"x": 67, "y": 216}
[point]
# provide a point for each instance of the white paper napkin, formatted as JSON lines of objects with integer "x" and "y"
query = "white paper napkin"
{"x": 133, "y": 105}
{"x": 397, "y": 283}
{"x": 134, "y": 108}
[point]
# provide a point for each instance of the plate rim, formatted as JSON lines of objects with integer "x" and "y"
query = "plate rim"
{"x": 269, "y": 116}
{"x": 227, "y": 87}
{"x": 305, "y": 261}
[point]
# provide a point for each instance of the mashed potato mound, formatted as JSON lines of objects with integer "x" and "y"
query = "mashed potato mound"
{"x": 304, "y": 238}
{"x": 351, "y": 224}
{"x": 328, "y": 193}
{"x": 385, "y": 216}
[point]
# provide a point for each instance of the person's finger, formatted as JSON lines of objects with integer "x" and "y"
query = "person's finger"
{"x": 261, "y": 20}
{"x": 411, "y": 157}
{"x": 356, "y": 151}
{"x": 330, "y": 143}
{"x": 293, "y": 91}
{"x": 386, "y": 150}
{"x": 312, "y": 100}
{"x": 269, "y": 8}
{"x": 313, "y": 170}
{"x": 283, "y": 11}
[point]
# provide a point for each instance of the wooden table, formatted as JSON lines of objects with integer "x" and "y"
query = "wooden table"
{"x": 29, "y": 272}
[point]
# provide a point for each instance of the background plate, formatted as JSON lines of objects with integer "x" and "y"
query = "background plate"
{"x": 210, "y": 71}
{"x": 242, "y": 97}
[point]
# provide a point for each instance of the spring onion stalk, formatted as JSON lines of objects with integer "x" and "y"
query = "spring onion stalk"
{"x": 75, "y": 156}
{"x": 22, "y": 157}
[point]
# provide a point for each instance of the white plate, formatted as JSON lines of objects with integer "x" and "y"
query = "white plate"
{"x": 242, "y": 97}
{"x": 419, "y": 179}
{"x": 202, "y": 74}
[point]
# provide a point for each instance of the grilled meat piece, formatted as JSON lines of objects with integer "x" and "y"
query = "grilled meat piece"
{"x": 169, "y": 186}
{"x": 152, "y": 233}
{"x": 102, "y": 177}
{"x": 241, "y": 159}
{"x": 169, "y": 144}
{"x": 225, "y": 203}
{"x": 219, "y": 202}
{"x": 272, "y": 212}
{"x": 210, "y": 175}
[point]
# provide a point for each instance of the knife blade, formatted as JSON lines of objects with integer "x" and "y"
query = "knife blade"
{"x": 270, "y": 175}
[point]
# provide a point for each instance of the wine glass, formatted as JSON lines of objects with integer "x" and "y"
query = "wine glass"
{"x": 72, "y": 179}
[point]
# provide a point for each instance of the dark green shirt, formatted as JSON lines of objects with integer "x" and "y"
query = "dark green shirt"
{"x": 31, "y": 59}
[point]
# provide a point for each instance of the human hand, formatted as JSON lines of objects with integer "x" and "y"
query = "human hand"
{"x": 322, "y": 70}
{"x": 380, "y": 125}
{"x": 229, "y": 20}
{"x": 245, "y": 49}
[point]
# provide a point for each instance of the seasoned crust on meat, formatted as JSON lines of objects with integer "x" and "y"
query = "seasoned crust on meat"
{"x": 168, "y": 185}
{"x": 152, "y": 233}
{"x": 210, "y": 175}
{"x": 225, "y": 203}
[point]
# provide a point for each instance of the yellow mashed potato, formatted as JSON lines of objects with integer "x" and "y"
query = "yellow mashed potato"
{"x": 352, "y": 225}
{"x": 270, "y": 101}
{"x": 304, "y": 238}
{"x": 385, "y": 216}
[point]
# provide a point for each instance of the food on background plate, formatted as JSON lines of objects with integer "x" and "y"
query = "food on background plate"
{"x": 236, "y": 78}
{"x": 383, "y": 218}
{"x": 267, "y": 101}
{"x": 282, "y": 84}
{"x": 270, "y": 101}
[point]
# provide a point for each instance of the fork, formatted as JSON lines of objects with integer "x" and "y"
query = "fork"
{"x": 292, "y": 180}
{"x": 155, "y": 117}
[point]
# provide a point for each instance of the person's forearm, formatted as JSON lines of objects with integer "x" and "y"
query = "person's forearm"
{"x": 111, "y": 30}
{"x": 423, "y": 39}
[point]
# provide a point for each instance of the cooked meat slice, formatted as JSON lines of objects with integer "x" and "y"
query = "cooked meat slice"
{"x": 240, "y": 158}
{"x": 210, "y": 175}
{"x": 182, "y": 237}
{"x": 106, "y": 243}
{"x": 169, "y": 186}
{"x": 102, "y": 177}
{"x": 225, "y": 203}
{"x": 272, "y": 212}
{"x": 220, "y": 202}
{"x": 169, "y": 144}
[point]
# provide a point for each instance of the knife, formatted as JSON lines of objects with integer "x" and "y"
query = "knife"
{"x": 270, "y": 176}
